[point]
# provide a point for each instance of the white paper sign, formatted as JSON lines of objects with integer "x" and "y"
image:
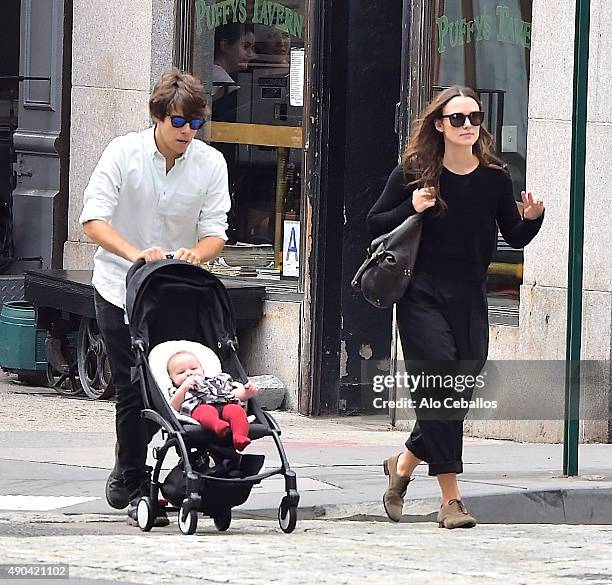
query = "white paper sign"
{"x": 291, "y": 248}
{"x": 296, "y": 78}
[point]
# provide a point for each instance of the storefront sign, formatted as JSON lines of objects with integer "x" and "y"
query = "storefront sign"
{"x": 502, "y": 27}
{"x": 211, "y": 15}
{"x": 291, "y": 248}
{"x": 282, "y": 17}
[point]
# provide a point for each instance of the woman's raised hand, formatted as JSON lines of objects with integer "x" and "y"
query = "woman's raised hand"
{"x": 533, "y": 207}
{"x": 423, "y": 199}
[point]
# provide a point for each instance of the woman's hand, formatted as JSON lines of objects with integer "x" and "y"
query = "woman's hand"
{"x": 533, "y": 207}
{"x": 423, "y": 199}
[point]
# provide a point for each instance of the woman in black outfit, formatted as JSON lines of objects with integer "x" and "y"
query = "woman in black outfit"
{"x": 449, "y": 174}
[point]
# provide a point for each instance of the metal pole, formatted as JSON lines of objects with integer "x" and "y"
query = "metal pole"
{"x": 576, "y": 239}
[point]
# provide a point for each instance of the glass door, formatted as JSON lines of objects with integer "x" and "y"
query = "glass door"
{"x": 253, "y": 51}
{"x": 484, "y": 44}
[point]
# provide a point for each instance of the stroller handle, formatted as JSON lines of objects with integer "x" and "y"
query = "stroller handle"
{"x": 141, "y": 262}
{"x": 134, "y": 267}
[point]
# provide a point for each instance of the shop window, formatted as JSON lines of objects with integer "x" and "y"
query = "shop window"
{"x": 250, "y": 55}
{"x": 485, "y": 44}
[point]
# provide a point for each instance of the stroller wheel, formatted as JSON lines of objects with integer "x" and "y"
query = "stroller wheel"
{"x": 287, "y": 517}
{"x": 144, "y": 514}
{"x": 223, "y": 521}
{"x": 190, "y": 522}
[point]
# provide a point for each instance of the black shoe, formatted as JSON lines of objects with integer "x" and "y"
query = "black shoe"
{"x": 161, "y": 518}
{"x": 117, "y": 495}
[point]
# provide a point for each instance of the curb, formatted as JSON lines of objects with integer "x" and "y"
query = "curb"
{"x": 587, "y": 506}
{"x": 557, "y": 506}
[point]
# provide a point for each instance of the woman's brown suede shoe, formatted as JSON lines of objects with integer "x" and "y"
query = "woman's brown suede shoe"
{"x": 393, "y": 498}
{"x": 455, "y": 515}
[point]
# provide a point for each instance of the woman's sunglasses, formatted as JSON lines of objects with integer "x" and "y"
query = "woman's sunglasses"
{"x": 180, "y": 121}
{"x": 458, "y": 120}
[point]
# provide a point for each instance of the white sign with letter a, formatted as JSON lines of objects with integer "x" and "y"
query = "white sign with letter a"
{"x": 291, "y": 248}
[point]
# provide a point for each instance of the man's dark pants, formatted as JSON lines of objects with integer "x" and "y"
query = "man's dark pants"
{"x": 133, "y": 432}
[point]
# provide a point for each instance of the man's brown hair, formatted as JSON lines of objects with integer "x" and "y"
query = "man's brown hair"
{"x": 177, "y": 91}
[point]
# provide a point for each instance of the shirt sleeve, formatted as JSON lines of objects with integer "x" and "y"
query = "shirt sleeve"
{"x": 517, "y": 232}
{"x": 102, "y": 192}
{"x": 212, "y": 220}
{"x": 393, "y": 206}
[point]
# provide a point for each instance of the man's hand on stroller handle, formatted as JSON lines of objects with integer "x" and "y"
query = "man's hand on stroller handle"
{"x": 150, "y": 254}
{"x": 156, "y": 253}
{"x": 188, "y": 255}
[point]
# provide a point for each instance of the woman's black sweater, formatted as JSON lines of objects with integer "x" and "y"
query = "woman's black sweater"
{"x": 460, "y": 243}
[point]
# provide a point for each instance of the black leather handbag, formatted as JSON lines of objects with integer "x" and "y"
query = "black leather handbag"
{"x": 384, "y": 276}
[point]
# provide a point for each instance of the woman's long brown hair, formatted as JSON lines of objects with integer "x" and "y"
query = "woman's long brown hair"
{"x": 423, "y": 156}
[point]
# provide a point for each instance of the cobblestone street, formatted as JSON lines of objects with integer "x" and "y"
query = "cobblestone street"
{"x": 318, "y": 552}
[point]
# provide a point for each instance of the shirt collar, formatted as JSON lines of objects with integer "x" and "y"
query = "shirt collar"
{"x": 151, "y": 145}
{"x": 149, "y": 141}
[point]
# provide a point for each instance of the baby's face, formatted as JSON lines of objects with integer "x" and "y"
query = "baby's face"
{"x": 182, "y": 366}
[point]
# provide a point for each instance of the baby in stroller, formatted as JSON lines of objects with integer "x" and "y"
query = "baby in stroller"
{"x": 177, "y": 308}
{"x": 216, "y": 403}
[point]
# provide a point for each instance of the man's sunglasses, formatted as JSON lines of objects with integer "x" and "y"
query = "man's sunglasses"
{"x": 180, "y": 121}
{"x": 458, "y": 120}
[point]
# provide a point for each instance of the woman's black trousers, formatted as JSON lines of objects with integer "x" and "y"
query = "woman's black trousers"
{"x": 444, "y": 329}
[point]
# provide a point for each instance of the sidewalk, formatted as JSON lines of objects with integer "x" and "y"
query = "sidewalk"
{"x": 66, "y": 445}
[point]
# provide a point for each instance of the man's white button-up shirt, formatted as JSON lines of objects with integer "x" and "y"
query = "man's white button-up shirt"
{"x": 148, "y": 207}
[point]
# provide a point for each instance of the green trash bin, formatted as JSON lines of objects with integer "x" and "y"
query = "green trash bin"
{"x": 22, "y": 345}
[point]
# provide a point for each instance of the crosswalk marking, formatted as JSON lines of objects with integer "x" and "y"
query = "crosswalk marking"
{"x": 48, "y": 503}
{"x": 40, "y": 503}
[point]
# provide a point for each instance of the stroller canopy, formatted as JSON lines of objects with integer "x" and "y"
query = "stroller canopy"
{"x": 172, "y": 299}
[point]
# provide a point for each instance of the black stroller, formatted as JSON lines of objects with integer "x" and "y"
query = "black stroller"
{"x": 172, "y": 300}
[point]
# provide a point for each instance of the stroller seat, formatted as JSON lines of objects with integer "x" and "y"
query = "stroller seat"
{"x": 195, "y": 433}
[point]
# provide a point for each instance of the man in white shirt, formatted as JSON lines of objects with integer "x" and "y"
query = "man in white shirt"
{"x": 153, "y": 192}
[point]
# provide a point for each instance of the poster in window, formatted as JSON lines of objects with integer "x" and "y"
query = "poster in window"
{"x": 291, "y": 248}
{"x": 297, "y": 77}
